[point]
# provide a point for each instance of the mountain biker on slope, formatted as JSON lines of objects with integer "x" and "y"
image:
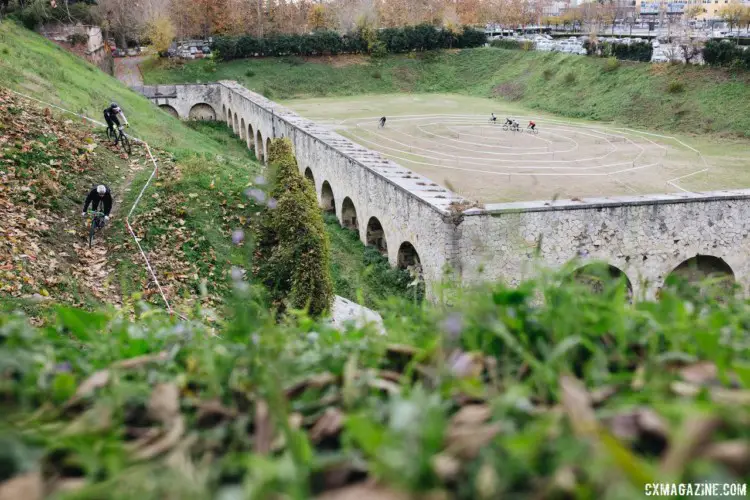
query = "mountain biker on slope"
{"x": 100, "y": 194}
{"x": 110, "y": 116}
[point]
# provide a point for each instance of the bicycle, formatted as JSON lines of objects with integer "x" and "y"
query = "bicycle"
{"x": 119, "y": 136}
{"x": 534, "y": 131}
{"x": 97, "y": 223}
{"x": 512, "y": 128}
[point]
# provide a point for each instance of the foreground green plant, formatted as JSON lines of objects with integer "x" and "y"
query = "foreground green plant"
{"x": 580, "y": 395}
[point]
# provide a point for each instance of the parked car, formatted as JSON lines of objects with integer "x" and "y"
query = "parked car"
{"x": 132, "y": 52}
{"x": 207, "y": 50}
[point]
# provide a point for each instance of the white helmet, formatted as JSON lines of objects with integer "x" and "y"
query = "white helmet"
{"x": 101, "y": 189}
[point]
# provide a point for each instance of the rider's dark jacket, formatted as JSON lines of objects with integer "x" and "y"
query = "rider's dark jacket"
{"x": 94, "y": 199}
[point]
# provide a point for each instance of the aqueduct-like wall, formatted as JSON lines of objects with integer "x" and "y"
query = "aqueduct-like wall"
{"x": 410, "y": 218}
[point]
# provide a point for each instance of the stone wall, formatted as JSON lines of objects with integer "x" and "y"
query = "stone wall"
{"x": 645, "y": 237}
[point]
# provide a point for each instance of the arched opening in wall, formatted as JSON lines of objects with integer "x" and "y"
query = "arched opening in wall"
{"x": 224, "y": 111}
{"x": 408, "y": 260}
{"x": 327, "y": 201}
{"x": 349, "y": 215}
{"x": 202, "y": 111}
{"x": 229, "y": 118}
{"x": 259, "y": 152}
{"x": 236, "y": 126}
{"x": 250, "y": 137}
{"x": 376, "y": 236}
{"x": 268, "y": 147}
{"x": 242, "y": 129}
{"x": 600, "y": 277}
{"x": 703, "y": 272}
{"x": 309, "y": 176}
{"x": 169, "y": 109}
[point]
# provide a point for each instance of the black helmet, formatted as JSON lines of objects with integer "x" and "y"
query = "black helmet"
{"x": 114, "y": 105}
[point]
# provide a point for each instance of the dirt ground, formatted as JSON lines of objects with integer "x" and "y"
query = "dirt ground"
{"x": 450, "y": 140}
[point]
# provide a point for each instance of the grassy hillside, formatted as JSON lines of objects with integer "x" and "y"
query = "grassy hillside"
{"x": 186, "y": 219}
{"x": 665, "y": 97}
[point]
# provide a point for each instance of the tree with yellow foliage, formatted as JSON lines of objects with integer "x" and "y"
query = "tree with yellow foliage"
{"x": 732, "y": 13}
{"x": 161, "y": 32}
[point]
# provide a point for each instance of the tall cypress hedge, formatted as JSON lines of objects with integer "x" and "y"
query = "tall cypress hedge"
{"x": 292, "y": 255}
{"x": 396, "y": 40}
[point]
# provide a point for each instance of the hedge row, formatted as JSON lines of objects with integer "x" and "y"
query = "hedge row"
{"x": 395, "y": 40}
{"x": 292, "y": 255}
{"x": 726, "y": 54}
{"x": 639, "y": 51}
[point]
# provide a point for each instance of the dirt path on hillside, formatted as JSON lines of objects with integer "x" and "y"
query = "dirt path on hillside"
{"x": 127, "y": 70}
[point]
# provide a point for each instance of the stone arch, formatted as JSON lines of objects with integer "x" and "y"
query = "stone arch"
{"x": 224, "y": 111}
{"x": 250, "y": 136}
{"x": 236, "y": 124}
{"x": 169, "y": 109}
{"x": 242, "y": 129}
{"x": 701, "y": 268}
{"x": 229, "y": 118}
{"x": 375, "y": 235}
{"x": 202, "y": 111}
{"x": 349, "y": 215}
{"x": 597, "y": 275}
{"x": 309, "y": 175}
{"x": 259, "y": 150}
{"x": 327, "y": 201}
{"x": 408, "y": 257}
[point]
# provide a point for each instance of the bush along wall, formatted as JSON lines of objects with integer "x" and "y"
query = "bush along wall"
{"x": 639, "y": 51}
{"x": 726, "y": 54}
{"x": 292, "y": 256}
{"x": 396, "y": 40}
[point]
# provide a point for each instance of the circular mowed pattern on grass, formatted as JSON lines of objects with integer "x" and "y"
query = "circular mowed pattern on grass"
{"x": 491, "y": 162}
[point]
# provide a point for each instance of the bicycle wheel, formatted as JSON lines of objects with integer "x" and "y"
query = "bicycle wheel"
{"x": 125, "y": 143}
{"x": 505, "y": 127}
{"x": 92, "y": 230}
{"x": 536, "y": 132}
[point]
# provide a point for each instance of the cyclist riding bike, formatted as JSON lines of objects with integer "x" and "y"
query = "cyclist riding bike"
{"x": 110, "y": 116}
{"x": 100, "y": 194}
{"x": 493, "y": 118}
{"x": 531, "y": 125}
{"x": 515, "y": 125}
{"x": 508, "y": 121}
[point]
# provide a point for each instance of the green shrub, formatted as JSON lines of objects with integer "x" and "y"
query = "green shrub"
{"x": 377, "y": 74}
{"x": 726, "y": 54}
{"x": 547, "y": 74}
{"x": 78, "y": 39}
{"x": 675, "y": 87}
{"x": 249, "y": 73}
{"x": 569, "y": 77}
{"x": 293, "y": 256}
{"x": 503, "y": 43}
{"x": 611, "y": 64}
{"x": 403, "y": 40}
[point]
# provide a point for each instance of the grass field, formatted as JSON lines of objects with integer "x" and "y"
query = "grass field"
{"x": 671, "y": 98}
{"x": 448, "y": 139}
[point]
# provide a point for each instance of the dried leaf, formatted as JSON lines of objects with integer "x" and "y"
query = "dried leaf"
{"x": 164, "y": 404}
{"x": 694, "y": 436}
{"x": 329, "y": 424}
{"x": 600, "y": 395}
{"x": 263, "y": 428}
{"x": 211, "y": 412}
{"x": 577, "y": 405}
{"x": 465, "y": 442}
{"x": 317, "y": 381}
{"x": 26, "y": 487}
{"x": 138, "y": 361}
{"x": 95, "y": 381}
{"x": 446, "y": 467}
{"x": 702, "y": 373}
{"x": 384, "y": 385}
{"x": 472, "y": 415}
{"x": 363, "y": 492}
{"x": 735, "y": 455}
{"x": 168, "y": 441}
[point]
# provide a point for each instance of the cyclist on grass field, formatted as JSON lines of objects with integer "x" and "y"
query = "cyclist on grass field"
{"x": 531, "y": 125}
{"x": 493, "y": 118}
{"x": 100, "y": 194}
{"x": 110, "y": 116}
{"x": 508, "y": 121}
{"x": 382, "y": 122}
